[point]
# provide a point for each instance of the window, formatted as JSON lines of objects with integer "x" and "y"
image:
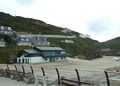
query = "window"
{"x": 27, "y": 39}
{"x": 22, "y": 39}
{"x": 62, "y": 52}
{"x": 37, "y": 39}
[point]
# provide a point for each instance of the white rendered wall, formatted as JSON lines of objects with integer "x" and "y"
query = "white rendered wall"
{"x": 35, "y": 60}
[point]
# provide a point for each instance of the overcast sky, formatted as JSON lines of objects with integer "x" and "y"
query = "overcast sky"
{"x": 98, "y": 18}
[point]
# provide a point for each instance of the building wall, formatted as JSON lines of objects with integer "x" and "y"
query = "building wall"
{"x": 2, "y": 44}
{"x": 40, "y": 41}
{"x": 25, "y": 60}
{"x": 24, "y": 43}
{"x": 36, "y": 60}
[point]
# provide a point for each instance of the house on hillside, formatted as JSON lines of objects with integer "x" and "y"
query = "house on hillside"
{"x": 6, "y": 30}
{"x": 41, "y": 54}
{"x": 22, "y": 39}
{"x": 66, "y": 30}
{"x": 84, "y": 35}
{"x": 28, "y": 39}
{"x": 40, "y": 41}
{"x": 68, "y": 41}
{"x": 2, "y": 43}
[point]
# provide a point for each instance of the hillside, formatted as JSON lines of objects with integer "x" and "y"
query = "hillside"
{"x": 113, "y": 45}
{"x": 22, "y": 24}
{"x": 84, "y": 48}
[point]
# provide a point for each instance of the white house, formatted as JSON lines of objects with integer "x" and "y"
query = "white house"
{"x": 2, "y": 43}
{"x": 6, "y": 30}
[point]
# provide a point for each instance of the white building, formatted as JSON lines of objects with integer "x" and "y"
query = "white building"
{"x": 6, "y": 30}
{"x": 2, "y": 43}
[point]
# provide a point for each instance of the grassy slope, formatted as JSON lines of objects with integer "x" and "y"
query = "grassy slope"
{"x": 112, "y": 44}
{"x": 29, "y": 25}
{"x": 8, "y": 50}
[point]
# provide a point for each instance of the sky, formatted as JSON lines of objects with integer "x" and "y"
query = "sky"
{"x": 98, "y": 18}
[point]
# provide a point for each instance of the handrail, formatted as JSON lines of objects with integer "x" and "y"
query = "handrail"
{"x": 43, "y": 71}
{"x": 107, "y": 78}
{"x": 58, "y": 74}
{"x": 31, "y": 69}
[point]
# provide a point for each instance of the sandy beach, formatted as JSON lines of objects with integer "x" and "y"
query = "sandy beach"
{"x": 90, "y": 65}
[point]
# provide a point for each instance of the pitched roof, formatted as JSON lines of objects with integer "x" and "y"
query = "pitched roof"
{"x": 31, "y": 51}
{"x": 49, "y": 48}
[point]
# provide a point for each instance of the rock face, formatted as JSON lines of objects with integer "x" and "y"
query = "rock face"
{"x": 94, "y": 50}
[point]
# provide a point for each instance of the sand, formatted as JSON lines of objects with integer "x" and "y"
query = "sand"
{"x": 66, "y": 67}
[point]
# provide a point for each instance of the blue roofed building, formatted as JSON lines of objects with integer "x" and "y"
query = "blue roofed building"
{"x": 41, "y": 54}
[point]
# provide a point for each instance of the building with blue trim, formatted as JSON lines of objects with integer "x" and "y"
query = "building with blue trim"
{"x": 41, "y": 54}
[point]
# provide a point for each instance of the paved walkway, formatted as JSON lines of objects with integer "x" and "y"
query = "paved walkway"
{"x": 9, "y": 82}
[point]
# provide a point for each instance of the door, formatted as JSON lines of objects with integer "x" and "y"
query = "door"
{"x": 52, "y": 59}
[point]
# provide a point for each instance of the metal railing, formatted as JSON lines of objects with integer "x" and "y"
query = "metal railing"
{"x": 60, "y": 77}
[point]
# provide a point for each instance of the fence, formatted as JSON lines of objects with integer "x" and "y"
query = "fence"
{"x": 46, "y": 76}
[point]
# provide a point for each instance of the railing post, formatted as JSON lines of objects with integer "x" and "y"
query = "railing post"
{"x": 15, "y": 67}
{"x": 23, "y": 70}
{"x": 7, "y": 66}
{"x": 7, "y": 71}
{"x": 58, "y": 74}
{"x": 31, "y": 70}
{"x": 107, "y": 78}
{"x": 44, "y": 79}
{"x": 43, "y": 71}
{"x": 78, "y": 77}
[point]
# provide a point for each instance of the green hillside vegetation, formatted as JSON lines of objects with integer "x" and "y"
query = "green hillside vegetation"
{"x": 22, "y": 24}
{"x": 113, "y": 44}
{"x": 84, "y": 48}
{"x": 8, "y": 39}
{"x": 9, "y": 50}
